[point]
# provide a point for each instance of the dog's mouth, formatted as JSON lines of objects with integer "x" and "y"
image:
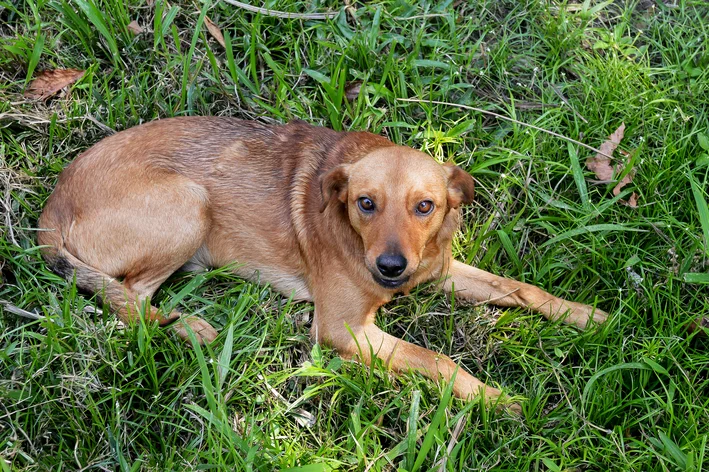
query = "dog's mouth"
{"x": 390, "y": 283}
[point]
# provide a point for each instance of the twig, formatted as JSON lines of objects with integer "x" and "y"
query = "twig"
{"x": 302, "y": 417}
{"x": 19, "y": 311}
{"x": 29, "y": 120}
{"x": 106, "y": 129}
{"x": 451, "y": 444}
{"x": 8, "y": 217}
{"x": 561, "y": 96}
{"x": 10, "y": 414}
{"x": 502, "y": 117}
{"x": 417, "y": 17}
{"x": 283, "y": 14}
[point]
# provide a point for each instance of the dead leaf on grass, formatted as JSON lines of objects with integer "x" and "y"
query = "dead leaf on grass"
{"x": 600, "y": 164}
{"x": 49, "y": 82}
{"x": 215, "y": 31}
{"x": 135, "y": 28}
{"x": 352, "y": 90}
{"x": 700, "y": 324}
{"x": 633, "y": 200}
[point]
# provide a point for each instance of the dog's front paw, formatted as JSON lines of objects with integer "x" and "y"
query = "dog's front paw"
{"x": 514, "y": 408}
{"x": 580, "y": 314}
{"x": 469, "y": 388}
{"x": 203, "y": 331}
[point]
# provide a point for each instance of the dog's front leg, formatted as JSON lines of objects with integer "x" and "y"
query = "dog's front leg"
{"x": 347, "y": 324}
{"x": 474, "y": 284}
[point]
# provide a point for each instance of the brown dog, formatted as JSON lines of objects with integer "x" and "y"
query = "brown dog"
{"x": 343, "y": 219}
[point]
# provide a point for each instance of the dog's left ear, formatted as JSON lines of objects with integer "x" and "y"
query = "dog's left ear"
{"x": 461, "y": 186}
{"x": 333, "y": 184}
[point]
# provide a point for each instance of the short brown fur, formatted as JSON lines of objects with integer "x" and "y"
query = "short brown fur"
{"x": 283, "y": 202}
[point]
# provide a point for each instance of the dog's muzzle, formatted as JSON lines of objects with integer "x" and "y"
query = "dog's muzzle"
{"x": 390, "y": 267}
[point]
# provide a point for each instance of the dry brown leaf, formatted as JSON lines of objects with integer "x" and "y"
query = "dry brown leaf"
{"x": 135, "y": 28}
{"x": 49, "y": 82}
{"x": 215, "y": 31}
{"x": 600, "y": 164}
{"x": 633, "y": 200}
{"x": 352, "y": 90}
{"x": 700, "y": 324}
{"x": 625, "y": 180}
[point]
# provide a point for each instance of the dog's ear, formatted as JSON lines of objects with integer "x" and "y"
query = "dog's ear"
{"x": 461, "y": 186}
{"x": 333, "y": 184}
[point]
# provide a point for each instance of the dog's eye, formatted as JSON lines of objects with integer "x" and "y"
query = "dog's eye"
{"x": 425, "y": 207}
{"x": 366, "y": 205}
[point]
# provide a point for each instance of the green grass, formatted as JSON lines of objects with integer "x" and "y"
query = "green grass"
{"x": 78, "y": 391}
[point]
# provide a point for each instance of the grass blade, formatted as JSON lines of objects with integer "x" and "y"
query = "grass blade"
{"x": 674, "y": 450}
{"x": 589, "y": 229}
{"x": 578, "y": 176}
{"x": 434, "y": 425}
{"x": 225, "y": 357}
{"x": 96, "y": 17}
{"x": 309, "y": 468}
{"x": 206, "y": 383}
{"x": 696, "y": 278}
{"x": 702, "y": 209}
{"x": 237, "y": 75}
{"x": 186, "y": 63}
{"x": 411, "y": 425}
{"x": 34, "y": 59}
{"x": 510, "y": 250}
{"x": 598, "y": 375}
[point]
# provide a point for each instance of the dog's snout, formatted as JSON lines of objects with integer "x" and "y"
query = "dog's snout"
{"x": 391, "y": 265}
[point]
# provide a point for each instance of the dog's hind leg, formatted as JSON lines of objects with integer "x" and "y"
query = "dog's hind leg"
{"x": 124, "y": 243}
{"x": 130, "y": 296}
{"x": 140, "y": 287}
{"x": 474, "y": 284}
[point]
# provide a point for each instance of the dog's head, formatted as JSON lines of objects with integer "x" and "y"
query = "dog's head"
{"x": 397, "y": 200}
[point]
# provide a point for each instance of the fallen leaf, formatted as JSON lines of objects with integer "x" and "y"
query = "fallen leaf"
{"x": 49, "y": 82}
{"x": 135, "y": 28}
{"x": 352, "y": 90}
{"x": 215, "y": 31}
{"x": 700, "y": 324}
{"x": 625, "y": 180}
{"x": 600, "y": 164}
{"x": 633, "y": 200}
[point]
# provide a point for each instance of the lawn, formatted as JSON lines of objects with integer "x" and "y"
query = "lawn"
{"x": 79, "y": 391}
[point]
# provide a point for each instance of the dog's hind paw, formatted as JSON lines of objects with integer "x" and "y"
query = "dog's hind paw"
{"x": 203, "y": 331}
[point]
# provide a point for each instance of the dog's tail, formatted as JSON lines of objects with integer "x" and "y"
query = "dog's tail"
{"x": 90, "y": 279}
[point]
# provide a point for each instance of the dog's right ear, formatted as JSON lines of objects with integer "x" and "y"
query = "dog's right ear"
{"x": 333, "y": 184}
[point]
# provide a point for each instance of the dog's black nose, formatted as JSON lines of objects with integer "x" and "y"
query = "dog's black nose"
{"x": 391, "y": 265}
